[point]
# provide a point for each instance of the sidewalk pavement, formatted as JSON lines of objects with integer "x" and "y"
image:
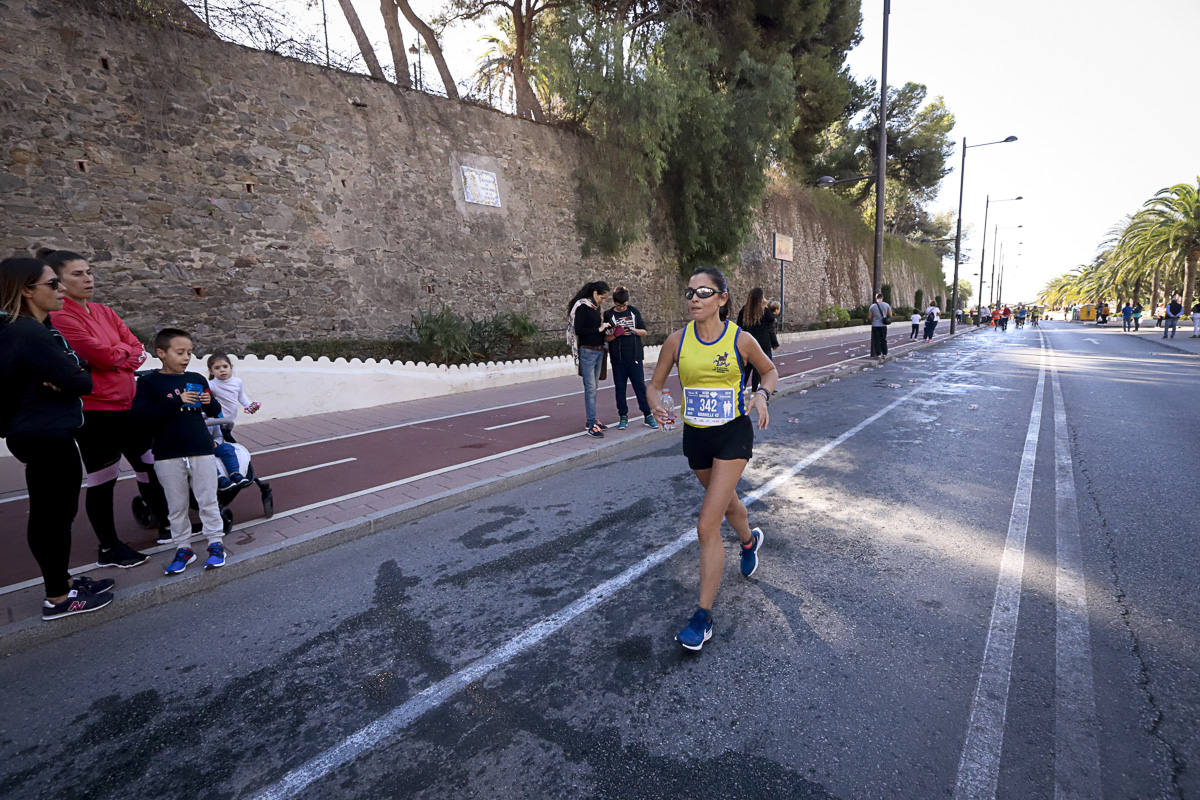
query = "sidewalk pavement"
{"x": 1182, "y": 341}
{"x": 257, "y": 545}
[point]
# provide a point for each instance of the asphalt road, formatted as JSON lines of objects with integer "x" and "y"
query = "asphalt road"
{"x": 873, "y": 655}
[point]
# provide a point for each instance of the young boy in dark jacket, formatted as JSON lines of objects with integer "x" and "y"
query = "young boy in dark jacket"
{"x": 173, "y": 402}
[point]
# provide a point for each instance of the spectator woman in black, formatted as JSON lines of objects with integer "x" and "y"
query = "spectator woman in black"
{"x": 40, "y": 409}
{"x": 758, "y": 320}
{"x": 589, "y": 328}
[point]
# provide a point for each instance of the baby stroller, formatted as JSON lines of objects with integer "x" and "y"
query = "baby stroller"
{"x": 225, "y": 496}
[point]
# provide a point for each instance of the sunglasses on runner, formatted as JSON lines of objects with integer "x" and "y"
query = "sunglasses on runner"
{"x": 704, "y": 292}
{"x": 53, "y": 283}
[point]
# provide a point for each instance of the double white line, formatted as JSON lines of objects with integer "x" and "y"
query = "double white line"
{"x": 1076, "y": 754}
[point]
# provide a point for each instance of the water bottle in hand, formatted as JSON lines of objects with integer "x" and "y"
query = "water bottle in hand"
{"x": 668, "y": 404}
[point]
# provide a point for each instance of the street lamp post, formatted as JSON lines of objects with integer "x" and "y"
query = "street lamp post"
{"x": 962, "y": 177}
{"x": 877, "y": 274}
{"x": 983, "y": 247}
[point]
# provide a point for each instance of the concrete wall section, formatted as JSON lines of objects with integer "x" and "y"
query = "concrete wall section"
{"x": 249, "y": 197}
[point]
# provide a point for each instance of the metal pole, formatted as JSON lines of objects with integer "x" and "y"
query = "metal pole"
{"x": 206, "y": 20}
{"x": 983, "y": 251}
{"x": 325, "y": 23}
{"x": 781, "y": 267}
{"x": 880, "y": 170}
{"x": 962, "y": 177}
{"x": 995, "y": 238}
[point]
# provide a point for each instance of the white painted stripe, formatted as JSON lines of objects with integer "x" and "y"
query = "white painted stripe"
{"x": 1076, "y": 751}
{"x": 350, "y": 748}
{"x": 307, "y": 469}
{"x": 518, "y": 422}
{"x": 16, "y": 587}
{"x": 979, "y": 767}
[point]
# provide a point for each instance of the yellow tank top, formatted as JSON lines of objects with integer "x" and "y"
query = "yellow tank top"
{"x": 711, "y": 375}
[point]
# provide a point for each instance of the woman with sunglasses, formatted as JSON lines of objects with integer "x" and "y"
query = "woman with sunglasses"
{"x": 40, "y": 410}
{"x": 718, "y": 437}
{"x": 109, "y": 430}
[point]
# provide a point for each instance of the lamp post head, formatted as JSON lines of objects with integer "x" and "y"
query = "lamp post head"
{"x": 825, "y": 180}
{"x": 412, "y": 48}
{"x": 1011, "y": 139}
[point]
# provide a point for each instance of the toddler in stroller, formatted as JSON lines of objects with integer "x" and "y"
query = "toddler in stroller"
{"x": 235, "y": 471}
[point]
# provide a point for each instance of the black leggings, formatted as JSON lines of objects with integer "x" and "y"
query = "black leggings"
{"x": 52, "y": 476}
{"x": 103, "y": 439}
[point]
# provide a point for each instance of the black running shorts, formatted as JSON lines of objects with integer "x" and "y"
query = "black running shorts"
{"x": 729, "y": 442}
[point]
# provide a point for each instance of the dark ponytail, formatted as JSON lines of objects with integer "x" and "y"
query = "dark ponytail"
{"x": 586, "y": 292}
{"x": 719, "y": 282}
{"x": 57, "y": 259}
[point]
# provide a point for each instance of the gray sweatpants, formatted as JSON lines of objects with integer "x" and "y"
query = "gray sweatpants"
{"x": 174, "y": 474}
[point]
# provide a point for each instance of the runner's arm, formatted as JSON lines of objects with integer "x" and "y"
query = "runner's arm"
{"x": 751, "y": 352}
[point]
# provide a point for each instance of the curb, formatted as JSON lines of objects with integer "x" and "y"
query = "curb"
{"x": 18, "y": 636}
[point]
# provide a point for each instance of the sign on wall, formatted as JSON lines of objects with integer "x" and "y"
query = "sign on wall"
{"x": 782, "y": 247}
{"x": 480, "y": 187}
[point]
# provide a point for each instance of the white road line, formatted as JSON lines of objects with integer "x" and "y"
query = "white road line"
{"x": 410, "y": 479}
{"x": 366, "y": 738}
{"x": 518, "y": 422}
{"x": 307, "y": 469}
{"x": 979, "y": 767}
{"x": 16, "y": 587}
{"x": 1076, "y": 751}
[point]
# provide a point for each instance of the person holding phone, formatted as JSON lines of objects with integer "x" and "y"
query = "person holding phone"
{"x": 626, "y": 352}
{"x": 718, "y": 438}
{"x": 172, "y": 402}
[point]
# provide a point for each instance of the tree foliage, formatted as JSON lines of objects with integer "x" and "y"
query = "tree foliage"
{"x": 919, "y": 146}
{"x": 1158, "y": 246}
{"x": 692, "y": 102}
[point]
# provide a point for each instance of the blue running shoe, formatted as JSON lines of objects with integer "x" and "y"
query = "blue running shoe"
{"x": 623, "y": 424}
{"x": 216, "y": 556}
{"x": 649, "y": 421}
{"x": 183, "y": 557}
{"x": 750, "y": 552}
{"x": 697, "y": 632}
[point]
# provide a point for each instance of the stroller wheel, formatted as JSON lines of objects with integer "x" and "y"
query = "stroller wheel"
{"x": 142, "y": 513}
{"x": 268, "y": 498}
{"x": 226, "y": 520}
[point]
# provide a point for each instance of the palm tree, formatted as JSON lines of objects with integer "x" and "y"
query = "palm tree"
{"x": 1167, "y": 232}
{"x": 494, "y": 73}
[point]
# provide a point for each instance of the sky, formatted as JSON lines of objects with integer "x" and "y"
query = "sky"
{"x": 1100, "y": 93}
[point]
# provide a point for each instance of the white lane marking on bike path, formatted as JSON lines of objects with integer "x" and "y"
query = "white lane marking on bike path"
{"x": 370, "y": 736}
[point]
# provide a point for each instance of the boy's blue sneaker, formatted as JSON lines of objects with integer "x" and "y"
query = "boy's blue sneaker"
{"x": 697, "y": 632}
{"x": 216, "y": 556}
{"x": 649, "y": 421}
{"x": 750, "y": 552}
{"x": 183, "y": 557}
{"x": 623, "y": 424}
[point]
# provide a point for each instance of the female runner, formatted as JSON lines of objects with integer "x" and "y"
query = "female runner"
{"x": 718, "y": 438}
